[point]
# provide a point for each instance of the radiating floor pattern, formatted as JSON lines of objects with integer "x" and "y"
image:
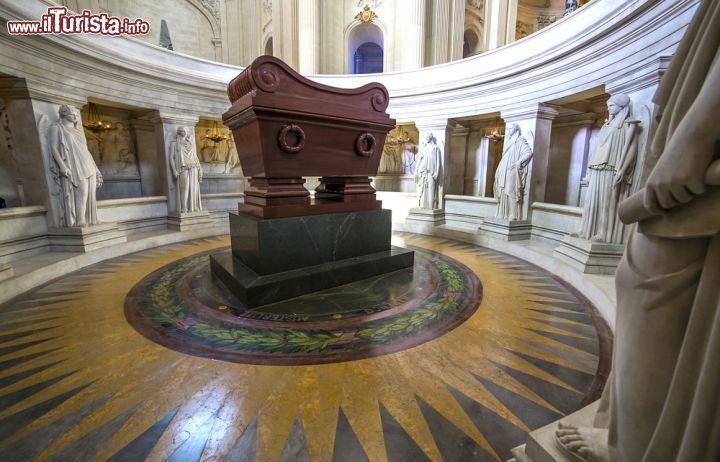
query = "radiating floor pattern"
{"x": 77, "y": 382}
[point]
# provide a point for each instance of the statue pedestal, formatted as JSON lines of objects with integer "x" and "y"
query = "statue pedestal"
{"x": 6, "y": 271}
{"x": 588, "y": 256}
{"x": 507, "y": 230}
{"x": 86, "y": 239}
{"x": 278, "y": 258}
{"x": 424, "y": 220}
{"x": 541, "y": 446}
{"x": 185, "y": 221}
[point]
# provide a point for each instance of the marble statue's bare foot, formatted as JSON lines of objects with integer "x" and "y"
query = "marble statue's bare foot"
{"x": 582, "y": 444}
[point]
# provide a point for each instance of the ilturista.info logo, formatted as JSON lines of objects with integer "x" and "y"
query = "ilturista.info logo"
{"x": 58, "y": 21}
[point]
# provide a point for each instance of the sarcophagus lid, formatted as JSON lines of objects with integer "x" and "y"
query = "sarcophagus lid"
{"x": 285, "y": 125}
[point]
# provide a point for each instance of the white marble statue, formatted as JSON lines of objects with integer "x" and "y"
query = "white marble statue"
{"x": 428, "y": 174}
{"x": 662, "y": 400}
{"x": 186, "y": 171}
{"x": 510, "y": 176}
{"x": 95, "y": 146}
{"x": 409, "y": 162}
{"x": 209, "y": 149}
{"x": 232, "y": 161}
{"x": 74, "y": 170}
{"x": 118, "y": 151}
{"x": 610, "y": 173}
{"x": 390, "y": 161}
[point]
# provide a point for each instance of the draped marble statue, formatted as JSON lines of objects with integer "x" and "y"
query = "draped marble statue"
{"x": 428, "y": 173}
{"x": 186, "y": 171}
{"x": 661, "y": 402}
{"x": 74, "y": 171}
{"x": 409, "y": 162}
{"x": 610, "y": 172}
{"x": 509, "y": 187}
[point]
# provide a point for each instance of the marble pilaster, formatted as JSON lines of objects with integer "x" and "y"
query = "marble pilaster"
{"x": 413, "y": 55}
{"x": 500, "y": 19}
{"x": 308, "y": 37}
{"x": 439, "y": 38}
{"x": 285, "y": 32}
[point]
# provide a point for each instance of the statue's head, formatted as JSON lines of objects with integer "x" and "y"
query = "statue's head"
{"x": 430, "y": 138}
{"x": 512, "y": 129}
{"x": 66, "y": 112}
{"x": 617, "y": 103}
{"x": 181, "y": 132}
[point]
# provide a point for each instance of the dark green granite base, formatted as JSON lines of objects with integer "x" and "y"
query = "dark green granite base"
{"x": 253, "y": 289}
{"x": 274, "y": 245}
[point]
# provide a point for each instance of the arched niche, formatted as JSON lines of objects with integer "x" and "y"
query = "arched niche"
{"x": 368, "y": 40}
{"x": 471, "y": 43}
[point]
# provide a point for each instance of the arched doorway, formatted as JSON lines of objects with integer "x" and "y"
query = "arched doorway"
{"x": 365, "y": 49}
{"x": 368, "y": 59}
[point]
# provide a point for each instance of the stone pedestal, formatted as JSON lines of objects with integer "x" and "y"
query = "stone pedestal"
{"x": 424, "y": 220}
{"x": 590, "y": 257}
{"x": 387, "y": 182}
{"x": 6, "y": 271}
{"x": 279, "y": 258}
{"x": 541, "y": 446}
{"x": 507, "y": 230}
{"x": 407, "y": 183}
{"x": 185, "y": 221}
{"x": 86, "y": 239}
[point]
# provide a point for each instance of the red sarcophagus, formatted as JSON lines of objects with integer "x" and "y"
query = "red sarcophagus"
{"x": 287, "y": 127}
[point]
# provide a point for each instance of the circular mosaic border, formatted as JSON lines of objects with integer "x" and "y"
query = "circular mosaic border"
{"x": 163, "y": 312}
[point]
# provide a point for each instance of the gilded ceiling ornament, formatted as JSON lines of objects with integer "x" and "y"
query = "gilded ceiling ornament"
{"x": 366, "y": 15}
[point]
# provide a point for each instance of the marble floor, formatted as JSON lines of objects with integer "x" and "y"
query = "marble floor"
{"x": 145, "y": 357}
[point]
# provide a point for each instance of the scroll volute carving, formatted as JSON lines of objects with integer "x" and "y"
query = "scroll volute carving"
{"x": 268, "y": 78}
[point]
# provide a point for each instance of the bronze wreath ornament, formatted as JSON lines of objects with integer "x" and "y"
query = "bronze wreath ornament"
{"x": 365, "y": 144}
{"x": 299, "y": 143}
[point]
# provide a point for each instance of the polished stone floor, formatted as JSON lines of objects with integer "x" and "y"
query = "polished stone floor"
{"x": 144, "y": 357}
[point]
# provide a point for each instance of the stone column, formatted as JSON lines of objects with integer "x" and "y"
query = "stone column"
{"x": 570, "y": 146}
{"x": 285, "y": 31}
{"x": 308, "y": 38}
{"x": 150, "y": 174}
{"x": 166, "y": 126}
{"x": 448, "y": 22}
{"x": 413, "y": 56}
{"x": 457, "y": 30}
{"x": 483, "y": 153}
{"x": 457, "y": 157}
{"x": 439, "y": 37}
{"x": 500, "y": 19}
